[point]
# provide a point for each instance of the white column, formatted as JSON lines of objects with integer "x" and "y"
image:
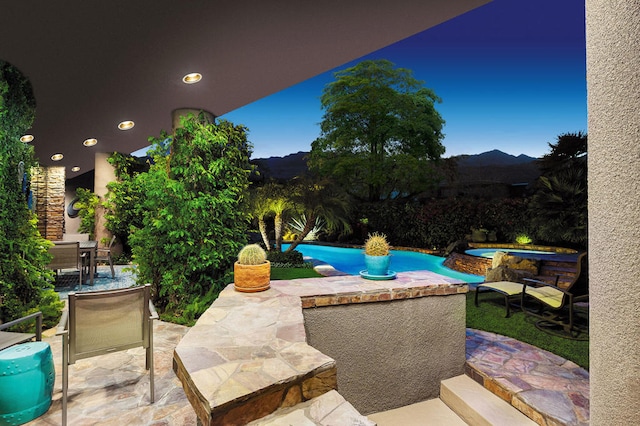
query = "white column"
{"x": 613, "y": 84}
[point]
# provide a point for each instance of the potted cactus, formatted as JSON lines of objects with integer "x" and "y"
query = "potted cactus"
{"x": 252, "y": 270}
{"x": 376, "y": 255}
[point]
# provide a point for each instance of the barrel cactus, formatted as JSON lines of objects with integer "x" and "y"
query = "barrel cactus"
{"x": 376, "y": 245}
{"x": 252, "y": 254}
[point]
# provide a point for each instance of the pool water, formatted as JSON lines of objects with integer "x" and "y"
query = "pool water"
{"x": 351, "y": 261}
{"x": 489, "y": 252}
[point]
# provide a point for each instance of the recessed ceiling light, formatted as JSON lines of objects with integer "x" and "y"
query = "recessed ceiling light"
{"x": 26, "y": 138}
{"x": 90, "y": 142}
{"x": 75, "y": 169}
{"x": 57, "y": 157}
{"x": 126, "y": 125}
{"x": 192, "y": 78}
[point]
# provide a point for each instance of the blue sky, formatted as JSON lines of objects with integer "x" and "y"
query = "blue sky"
{"x": 511, "y": 75}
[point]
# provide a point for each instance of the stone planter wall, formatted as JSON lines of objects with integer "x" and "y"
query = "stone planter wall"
{"x": 47, "y": 185}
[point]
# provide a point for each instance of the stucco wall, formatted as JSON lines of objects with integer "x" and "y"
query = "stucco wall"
{"x": 391, "y": 354}
{"x": 613, "y": 87}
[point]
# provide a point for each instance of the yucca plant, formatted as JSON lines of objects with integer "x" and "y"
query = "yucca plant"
{"x": 377, "y": 245}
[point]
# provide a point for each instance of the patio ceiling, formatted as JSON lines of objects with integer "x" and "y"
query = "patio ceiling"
{"x": 94, "y": 64}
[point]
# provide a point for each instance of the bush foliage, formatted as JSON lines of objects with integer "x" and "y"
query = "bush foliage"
{"x": 25, "y": 282}
{"x": 439, "y": 222}
{"x": 189, "y": 219}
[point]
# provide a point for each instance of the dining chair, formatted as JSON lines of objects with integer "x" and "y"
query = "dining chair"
{"x": 104, "y": 255}
{"x": 103, "y": 322}
{"x": 66, "y": 255}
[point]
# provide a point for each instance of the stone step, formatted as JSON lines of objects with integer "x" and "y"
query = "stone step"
{"x": 432, "y": 412}
{"x": 477, "y": 405}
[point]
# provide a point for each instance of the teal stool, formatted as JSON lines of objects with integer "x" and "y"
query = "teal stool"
{"x": 27, "y": 376}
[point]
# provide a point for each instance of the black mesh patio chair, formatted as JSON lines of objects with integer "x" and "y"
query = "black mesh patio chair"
{"x": 555, "y": 307}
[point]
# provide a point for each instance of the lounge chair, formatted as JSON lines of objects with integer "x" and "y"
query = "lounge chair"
{"x": 555, "y": 306}
{"x": 102, "y": 322}
{"x": 511, "y": 290}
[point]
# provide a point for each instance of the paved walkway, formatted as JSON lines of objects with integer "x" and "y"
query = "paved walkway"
{"x": 114, "y": 389}
{"x": 547, "y": 388}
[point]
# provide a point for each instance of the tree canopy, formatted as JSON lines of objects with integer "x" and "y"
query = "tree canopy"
{"x": 380, "y": 129}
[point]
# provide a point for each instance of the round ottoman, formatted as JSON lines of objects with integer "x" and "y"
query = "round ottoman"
{"x": 27, "y": 376}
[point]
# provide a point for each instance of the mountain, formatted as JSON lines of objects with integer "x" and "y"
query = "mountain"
{"x": 492, "y": 158}
{"x": 282, "y": 168}
{"x": 489, "y": 167}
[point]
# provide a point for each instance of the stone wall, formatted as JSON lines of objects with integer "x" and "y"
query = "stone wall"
{"x": 468, "y": 264}
{"x": 47, "y": 185}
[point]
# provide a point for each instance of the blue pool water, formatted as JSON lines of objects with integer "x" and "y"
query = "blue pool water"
{"x": 489, "y": 252}
{"x": 351, "y": 261}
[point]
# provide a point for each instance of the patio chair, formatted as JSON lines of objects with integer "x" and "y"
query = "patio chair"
{"x": 509, "y": 289}
{"x": 104, "y": 255}
{"x": 10, "y": 338}
{"x": 66, "y": 255}
{"x": 102, "y": 322}
{"x": 555, "y": 306}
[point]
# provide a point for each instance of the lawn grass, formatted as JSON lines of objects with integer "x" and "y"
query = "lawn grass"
{"x": 489, "y": 316}
{"x": 293, "y": 273}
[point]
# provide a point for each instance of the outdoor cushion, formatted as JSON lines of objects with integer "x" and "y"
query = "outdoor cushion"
{"x": 549, "y": 295}
{"x": 507, "y": 288}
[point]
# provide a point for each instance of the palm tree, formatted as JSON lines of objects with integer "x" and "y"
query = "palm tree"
{"x": 320, "y": 200}
{"x": 559, "y": 207}
{"x": 279, "y": 206}
{"x": 260, "y": 209}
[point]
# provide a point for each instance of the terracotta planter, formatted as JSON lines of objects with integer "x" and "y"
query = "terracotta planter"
{"x": 251, "y": 278}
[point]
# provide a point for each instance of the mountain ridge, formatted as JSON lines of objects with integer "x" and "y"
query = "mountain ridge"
{"x": 492, "y": 166}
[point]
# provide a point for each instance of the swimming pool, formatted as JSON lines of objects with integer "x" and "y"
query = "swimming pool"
{"x": 351, "y": 261}
{"x": 489, "y": 252}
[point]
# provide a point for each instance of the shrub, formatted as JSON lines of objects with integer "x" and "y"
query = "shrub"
{"x": 292, "y": 257}
{"x": 25, "y": 282}
{"x": 193, "y": 215}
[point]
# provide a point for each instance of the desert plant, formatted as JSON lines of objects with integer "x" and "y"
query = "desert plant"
{"x": 376, "y": 245}
{"x": 298, "y": 224}
{"x": 252, "y": 254}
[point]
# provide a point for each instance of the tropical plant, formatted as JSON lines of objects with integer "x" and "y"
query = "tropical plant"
{"x": 320, "y": 199}
{"x": 194, "y": 215}
{"x": 266, "y": 201}
{"x": 86, "y": 205}
{"x": 252, "y": 254}
{"x": 25, "y": 282}
{"x": 376, "y": 245}
{"x": 379, "y": 131}
{"x": 124, "y": 200}
{"x": 559, "y": 208}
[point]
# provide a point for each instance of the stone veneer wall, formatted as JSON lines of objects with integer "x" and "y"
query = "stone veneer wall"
{"x": 47, "y": 185}
{"x": 391, "y": 354}
{"x": 468, "y": 264}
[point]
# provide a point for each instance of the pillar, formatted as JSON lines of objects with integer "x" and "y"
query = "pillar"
{"x": 104, "y": 173}
{"x": 613, "y": 87}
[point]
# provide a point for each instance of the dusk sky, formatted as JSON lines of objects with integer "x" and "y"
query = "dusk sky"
{"x": 511, "y": 75}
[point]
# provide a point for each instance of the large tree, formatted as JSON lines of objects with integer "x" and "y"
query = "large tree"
{"x": 379, "y": 131}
